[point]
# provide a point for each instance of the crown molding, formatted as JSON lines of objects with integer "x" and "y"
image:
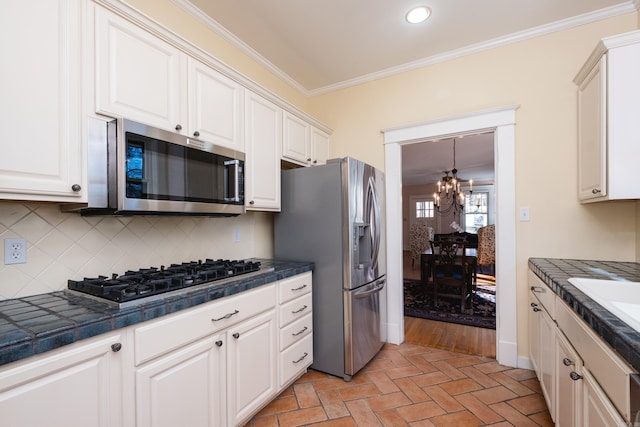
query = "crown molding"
{"x": 630, "y": 6}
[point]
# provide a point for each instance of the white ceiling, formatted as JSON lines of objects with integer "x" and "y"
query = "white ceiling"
{"x": 320, "y": 45}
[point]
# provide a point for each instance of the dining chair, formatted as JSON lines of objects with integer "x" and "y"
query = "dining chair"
{"x": 451, "y": 272}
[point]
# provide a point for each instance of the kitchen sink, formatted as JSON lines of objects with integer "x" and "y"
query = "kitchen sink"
{"x": 621, "y": 298}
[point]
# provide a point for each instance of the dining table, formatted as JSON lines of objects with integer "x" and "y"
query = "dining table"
{"x": 471, "y": 258}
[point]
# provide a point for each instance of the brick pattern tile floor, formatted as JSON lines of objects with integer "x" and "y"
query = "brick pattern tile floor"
{"x": 412, "y": 385}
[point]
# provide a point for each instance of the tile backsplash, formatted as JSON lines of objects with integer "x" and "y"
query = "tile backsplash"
{"x": 62, "y": 246}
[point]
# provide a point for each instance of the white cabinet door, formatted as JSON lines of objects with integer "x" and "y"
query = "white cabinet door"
{"x": 542, "y": 349}
{"x": 263, "y": 141}
{"x": 138, "y": 76}
{"x": 80, "y": 386}
{"x": 185, "y": 387}
{"x": 215, "y": 107}
{"x": 592, "y": 149}
{"x": 597, "y": 409}
{"x": 41, "y": 139}
{"x": 251, "y": 366}
{"x": 534, "y": 334}
{"x": 319, "y": 147}
{"x": 608, "y": 125}
{"x": 569, "y": 384}
{"x": 296, "y": 139}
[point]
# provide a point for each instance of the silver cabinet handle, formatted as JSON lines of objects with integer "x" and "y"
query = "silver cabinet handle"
{"x": 295, "y": 334}
{"x": 178, "y": 127}
{"x": 196, "y": 134}
{"x": 596, "y": 191}
{"x": 537, "y": 289}
{"x": 76, "y": 188}
{"x": 236, "y": 335}
{"x": 302, "y": 358}
{"x": 567, "y": 362}
{"x": 536, "y": 309}
{"x": 575, "y": 376}
{"x": 219, "y": 343}
{"x": 298, "y": 288}
{"x": 116, "y": 347}
{"x": 298, "y": 311}
{"x": 226, "y": 316}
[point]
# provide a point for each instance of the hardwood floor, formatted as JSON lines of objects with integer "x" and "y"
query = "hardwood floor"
{"x": 442, "y": 335}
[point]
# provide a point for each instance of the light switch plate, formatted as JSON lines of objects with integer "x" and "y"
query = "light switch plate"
{"x": 525, "y": 214}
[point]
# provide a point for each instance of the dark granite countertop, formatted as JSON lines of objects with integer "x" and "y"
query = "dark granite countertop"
{"x": 39, "y": 323}
{"x": 555, "y": 273}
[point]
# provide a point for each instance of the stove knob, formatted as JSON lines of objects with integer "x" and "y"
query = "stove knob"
{"x": 116, "y": 347}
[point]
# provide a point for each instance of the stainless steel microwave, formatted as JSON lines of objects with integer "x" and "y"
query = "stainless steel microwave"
{"x": 138, "y": 169}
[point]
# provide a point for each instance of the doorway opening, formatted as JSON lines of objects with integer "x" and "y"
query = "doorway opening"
{"x": 425, "y": 167}
{"x": 502, "y": 122}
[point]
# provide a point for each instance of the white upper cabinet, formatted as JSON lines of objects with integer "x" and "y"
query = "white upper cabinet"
{"x": 215, "y": 106}
{"x": 41, "y": 139}
{"x": 263, "y": 123}
{"x": 296, "y": 139}
{"x": 302, "y": 142}
{"x": 143, "y": 78}
{"x": 138, "y": 76}
{"x": 608, "y": 125}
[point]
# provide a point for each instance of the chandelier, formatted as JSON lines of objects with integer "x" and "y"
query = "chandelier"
{"x": 449, "y": 196}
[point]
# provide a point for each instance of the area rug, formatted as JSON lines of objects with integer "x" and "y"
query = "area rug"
{"x": 418, "y": 303}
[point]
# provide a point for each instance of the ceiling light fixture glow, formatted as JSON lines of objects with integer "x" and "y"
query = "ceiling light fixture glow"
{"x": 418, "y": 15}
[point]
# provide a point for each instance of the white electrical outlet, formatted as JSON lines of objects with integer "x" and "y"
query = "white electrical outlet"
{"x": 15, "y": 251}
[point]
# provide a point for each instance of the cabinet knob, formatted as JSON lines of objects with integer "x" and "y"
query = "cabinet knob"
{"x": 116, "y": 347}
{"x": 567, "y": 362}
{"x": 251, "y": 202}
{"x": 76, "y": 188}
{"x": 219, "y": 343}
{"x": 595, "y": 191}
{"x": 536, "y": 309}
{"x": 315, "y": 162}
{"x": 575, "y": 376}
{"x": 533, "y": 304}
{"x": 196, "y": 134}
{"x": 236, "y": 335}
{"x": 178, "y": 127}
{"x": 309, "y": 159}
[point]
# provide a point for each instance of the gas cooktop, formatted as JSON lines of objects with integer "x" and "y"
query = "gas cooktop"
{"x": 133, "y": 286}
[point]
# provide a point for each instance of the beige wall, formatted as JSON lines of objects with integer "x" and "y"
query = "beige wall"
{"x": 537, "y": 75}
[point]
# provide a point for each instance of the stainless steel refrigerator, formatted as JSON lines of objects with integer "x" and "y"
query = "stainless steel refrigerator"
{"x": 332, "y": 215}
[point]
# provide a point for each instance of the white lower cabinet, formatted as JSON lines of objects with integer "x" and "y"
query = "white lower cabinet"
{"x": 213, "y": 365}
{"x": 584, "y": 382}
{"x": 251, "y": 367}
{"x": 569, "y": 384}
{"x": 296, "y": 327}
{"x": 598, "y": 410}
{"x": 79, "y": 385}
{"x": 197, "y": 368}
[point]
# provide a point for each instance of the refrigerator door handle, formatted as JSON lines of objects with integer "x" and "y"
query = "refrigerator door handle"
{"x": 375, "y": 223}
{"x": 379, "y": 285}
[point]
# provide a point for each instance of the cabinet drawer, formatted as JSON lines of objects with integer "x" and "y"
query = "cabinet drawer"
{"x": 295, "y": 359}
{"x": 294, "y": 287}
{"x": 296, "y": 331}
{"x": 173, "y": 331}
{"x": 608, "y": 369}
{"x": 295, "y": 309}
{"x": 545, "y": 295}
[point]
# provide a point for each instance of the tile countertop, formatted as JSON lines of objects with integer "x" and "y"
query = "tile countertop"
{"x": 39, "y": 323}
{"x": 556, "y": 272}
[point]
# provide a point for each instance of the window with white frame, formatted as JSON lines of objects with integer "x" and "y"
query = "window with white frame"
{"x": 424, "y": 209}
{"x": 476, "y": 211}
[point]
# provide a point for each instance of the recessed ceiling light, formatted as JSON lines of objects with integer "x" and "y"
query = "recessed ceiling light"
{"x": 418, "y": 15}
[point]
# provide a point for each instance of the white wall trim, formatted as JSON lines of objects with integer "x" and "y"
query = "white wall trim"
{"x": 502, "y": 122}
